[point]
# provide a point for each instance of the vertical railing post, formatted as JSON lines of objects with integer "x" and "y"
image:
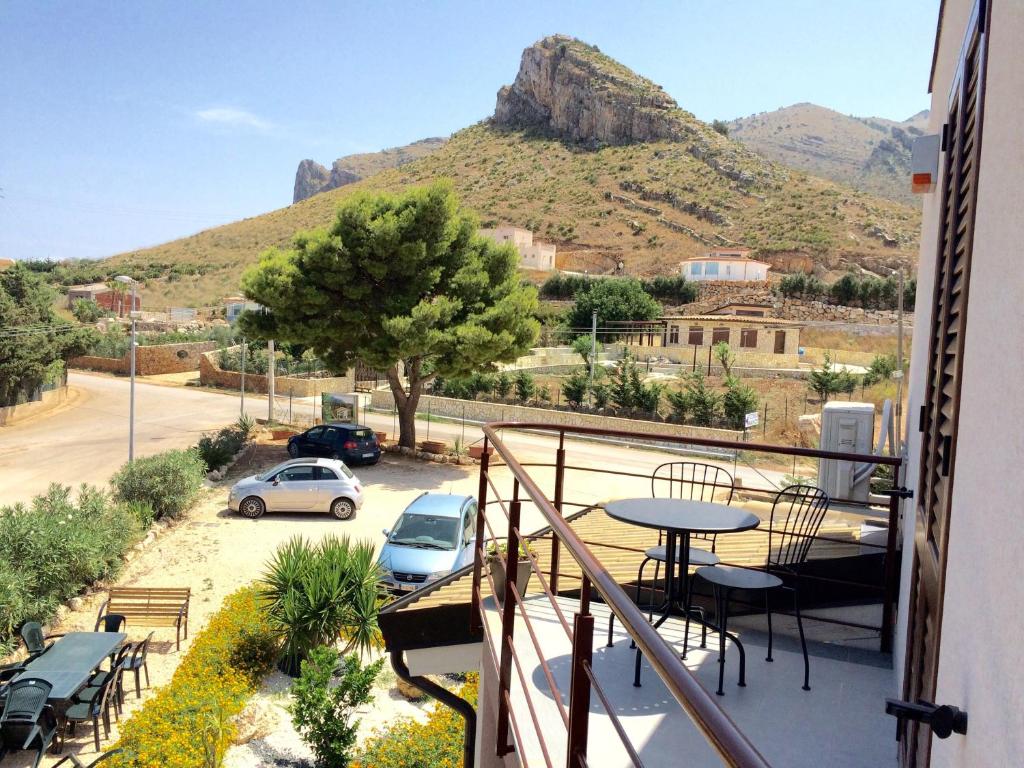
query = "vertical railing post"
{"x": 508, "y": 617}
{"x": 579, "y": 682}
{"x": 475, "y": 617}
{"x": 891, "y": 578}
{"x": 559, "y": 485}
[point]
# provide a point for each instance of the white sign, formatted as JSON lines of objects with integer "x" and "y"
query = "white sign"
{"x": 751, "y": 420}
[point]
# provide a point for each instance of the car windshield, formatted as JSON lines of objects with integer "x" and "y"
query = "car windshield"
{"x": 425, "y": 532}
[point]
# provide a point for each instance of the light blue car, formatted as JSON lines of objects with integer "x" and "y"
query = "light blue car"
{"x": 433, "y": 537}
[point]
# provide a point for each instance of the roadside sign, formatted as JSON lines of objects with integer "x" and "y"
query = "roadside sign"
{"x": 751, "y": 419}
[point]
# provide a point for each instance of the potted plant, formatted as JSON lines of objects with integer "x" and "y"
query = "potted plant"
{"x": 477, "y": 451}
{"x": 434, "y": 446}
{"x": 497, "y": 567}
{"x": 382, "y": 437}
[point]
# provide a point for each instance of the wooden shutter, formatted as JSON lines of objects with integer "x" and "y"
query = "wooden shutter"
{"x": 962, "y": 152}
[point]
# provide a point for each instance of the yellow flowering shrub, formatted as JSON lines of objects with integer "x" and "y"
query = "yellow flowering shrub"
{"x": 408, "y": 743}
{"x": 187, "y": 723}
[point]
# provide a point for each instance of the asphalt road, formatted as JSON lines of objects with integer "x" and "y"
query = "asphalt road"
{"x": 86, "y": 440}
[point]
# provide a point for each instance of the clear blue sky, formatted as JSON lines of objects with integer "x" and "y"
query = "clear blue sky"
{"x": 127, "y": 124}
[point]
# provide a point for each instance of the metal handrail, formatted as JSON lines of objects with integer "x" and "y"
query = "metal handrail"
{"x": 715, "y": 725}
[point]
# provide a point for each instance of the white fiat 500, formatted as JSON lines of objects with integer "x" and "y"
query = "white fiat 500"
{"x": 299, "y": 485}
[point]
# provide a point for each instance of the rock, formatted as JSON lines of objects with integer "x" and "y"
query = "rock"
{"x": 408, "y": 690}
{"x": 810, "y": 429}
{"x": 258, "y": 720}
{"x": 569, "y": 89}
{"x": 310, "y": 178}
{"x": 75, "y": 604}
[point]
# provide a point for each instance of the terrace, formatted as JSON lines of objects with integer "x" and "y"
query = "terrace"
{"x": 555, "y": 691}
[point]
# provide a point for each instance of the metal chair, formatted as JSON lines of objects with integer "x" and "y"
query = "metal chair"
{"x": 137, "y": 663}
{"x": 27, "y": 718}
{"x": 797, "y": 514}
{"x": 682, "y": 480}
{"x": 111, "y": 622}
{"x": 94, "y": 704}
{"x": 34, "y": 639}
{"x": 73, "y": 759}
{"x": 118, "y": 664}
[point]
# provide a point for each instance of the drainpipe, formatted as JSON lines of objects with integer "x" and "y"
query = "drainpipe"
{"x": 446, "y": 697}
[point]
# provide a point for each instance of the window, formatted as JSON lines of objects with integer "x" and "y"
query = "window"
{"x": 297, "y": 474}
{"x": 360, "y": 434}
{"x": 695, "y": 268}
{"x": 696, "y": 336}
{"x": 711, "y": 268}
{"x": 332, "y": 435}
{"x": 315, "y": 433}
{"x": 325, "y": 473}
{"x": 469, "y": 525}
{"x": 426, "y": 532}
{"x": 719, "y": 335}
{"x": 673, "y": 334}
{"x": 748, "y": 337}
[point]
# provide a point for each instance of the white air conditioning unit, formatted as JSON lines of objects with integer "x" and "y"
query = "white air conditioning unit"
{"x": 846, "y": 428}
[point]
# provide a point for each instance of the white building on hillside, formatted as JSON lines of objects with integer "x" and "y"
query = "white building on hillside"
{"x": 725, "y": 264}
{"x": 531, "y": 255}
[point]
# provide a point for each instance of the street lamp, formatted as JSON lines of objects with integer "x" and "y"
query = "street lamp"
{"x": 134, "y": 315}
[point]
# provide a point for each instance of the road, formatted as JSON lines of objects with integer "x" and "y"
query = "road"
{"x": 86, "y": 440}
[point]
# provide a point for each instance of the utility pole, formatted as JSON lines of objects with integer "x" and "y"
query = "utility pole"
{"x": 593, "y": 351}
{"x": 134, "y": 315}
{"x": 270, "y": 380}
{"x": 242, "y": 406}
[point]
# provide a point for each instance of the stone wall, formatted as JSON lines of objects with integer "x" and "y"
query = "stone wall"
{"x": 478, "y": 410}
{"x": 744, "y": 359}
{"x": 50, "y": 399}
{"x": 212, "y": 375}
{"x": 150, "y": 361}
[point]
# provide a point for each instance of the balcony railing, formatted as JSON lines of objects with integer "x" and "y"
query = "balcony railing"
{"x": 700, "y": 706}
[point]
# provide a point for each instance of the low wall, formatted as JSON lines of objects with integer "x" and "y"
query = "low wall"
{"x": 150, "y": 361}
{"x": 684, "y": 355}
{"x": 478, "y": 410}
{"x": 12, "y": 414}
{"x": 211, "y": 374}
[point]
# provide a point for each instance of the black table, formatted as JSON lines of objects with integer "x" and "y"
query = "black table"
{"x": 68, "y": 664}
{"x": 678, "y": 518}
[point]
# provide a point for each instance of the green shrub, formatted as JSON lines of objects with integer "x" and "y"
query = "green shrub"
{"x": 502, "y": 385}
{"x": 409, "y": 743}
{"x": 169, "y": 481}
{"x": 86, "y": 311}
{"x": 574, "y": 389}
{"x": 326, "y": 696}
{"x": 319, "y": 593}
{"x": 53, "y": 548}
{"x": 525, "y": 386}
{"x": 187, "y": 724}
{"x": 738, "y": 401}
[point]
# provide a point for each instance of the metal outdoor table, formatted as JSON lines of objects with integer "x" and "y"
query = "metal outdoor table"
{"x": 68, "y": 664}
{"x": 678, "y": 518}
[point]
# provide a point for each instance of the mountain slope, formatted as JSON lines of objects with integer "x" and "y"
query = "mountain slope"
{"x": 868, "y": 153}
{"x": 642, "y": 181}
{"x": 311, "y": 178}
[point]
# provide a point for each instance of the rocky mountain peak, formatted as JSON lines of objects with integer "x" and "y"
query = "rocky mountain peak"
{"x": 569, "y": 89}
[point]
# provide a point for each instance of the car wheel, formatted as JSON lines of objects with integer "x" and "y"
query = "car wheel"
{"x": 343, "y": 509}
{"x": 293, "y": 450}
{"x": 252, "y": 507}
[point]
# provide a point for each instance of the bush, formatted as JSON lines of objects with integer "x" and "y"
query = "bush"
{"x": 524, "y": 386}
{"x": 616, "y": 300}
{"x": 701, "y": 403}
{"x": 52, "y": 549}
{"x": 113, "y": 343}
{"x": 217, "y": 450}
{"x": 628, "y": 391}
{"x": 86, "y": 311}
{"x": 738, "y": 401}
{"x": 169, "y": 482}
{"x": 575, "y": 387}
{"x": 409, "y": 743}
{"x": 882, "y": 367}
{"x": 502, "y": 385}
{"x": 187, "y": 724}
{"x": 676, "y": 289}
{"x": 319, "y": 593}
{"x": 323, "y": 709}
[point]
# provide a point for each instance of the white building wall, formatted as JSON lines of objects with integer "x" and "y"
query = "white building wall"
{"x": 981, "y": 662}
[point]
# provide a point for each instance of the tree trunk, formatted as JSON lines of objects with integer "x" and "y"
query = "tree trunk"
{"x": 406, "y": 403}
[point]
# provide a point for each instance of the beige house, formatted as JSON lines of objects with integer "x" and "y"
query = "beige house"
{"x": 532, "y": 255}
{"x": 731, "y": 264}
{"x": 742, "y": 333}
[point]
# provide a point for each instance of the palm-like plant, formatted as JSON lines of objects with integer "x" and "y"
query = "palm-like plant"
{"x": 318, "y": 594}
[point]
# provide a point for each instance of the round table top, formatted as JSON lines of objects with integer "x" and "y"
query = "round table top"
{"x": 682, "y": 515}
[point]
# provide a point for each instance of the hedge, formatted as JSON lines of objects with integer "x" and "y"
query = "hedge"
{"x": 408, "y": 743}
{"x": 169, "y": 482}
{"x": 187, "y": 723}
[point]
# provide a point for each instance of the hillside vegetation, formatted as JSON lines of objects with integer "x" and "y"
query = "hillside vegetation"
{"x": 612, "y": 196}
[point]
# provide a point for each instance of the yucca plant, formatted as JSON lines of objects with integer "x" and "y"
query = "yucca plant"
{"x": 318, "y": 594}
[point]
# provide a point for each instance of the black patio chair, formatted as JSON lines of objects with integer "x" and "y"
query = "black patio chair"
{"x": 137, "y": 663}
{"x": 27, "y": 720}
{"x": 682, "y": 480}
{"x": 34, "y": 639}
{"x": 111, "y": 622}
{"x": 7, "y": 673}
{"x": 118, "y": 664}
{"x": 797, "y": 513}
{"x": 95, "y": 707}
{"x": 73, "y": 759}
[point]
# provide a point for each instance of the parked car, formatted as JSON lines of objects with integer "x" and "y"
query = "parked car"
{"x": 434, "y": 536}
{"x": 299, "y": 485}
{"x": 352, "y": 443}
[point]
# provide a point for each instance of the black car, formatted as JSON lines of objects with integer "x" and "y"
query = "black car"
{"x": 352, "y": 443}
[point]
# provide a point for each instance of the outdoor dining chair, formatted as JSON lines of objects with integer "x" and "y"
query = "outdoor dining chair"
{"x": 111, "y": 622}
{"x": 7, "y": 673}
{"x": 94, "y": 706}
{"x": 27, "y": 721}
{"x": 797, "y": 514}
{"x": 137, "y": 663}
{"x": 73, "y": 759}
{"x": 34, "y": 639}
{"x": 689, "y": 480}
{"x": 113, "y": 675}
